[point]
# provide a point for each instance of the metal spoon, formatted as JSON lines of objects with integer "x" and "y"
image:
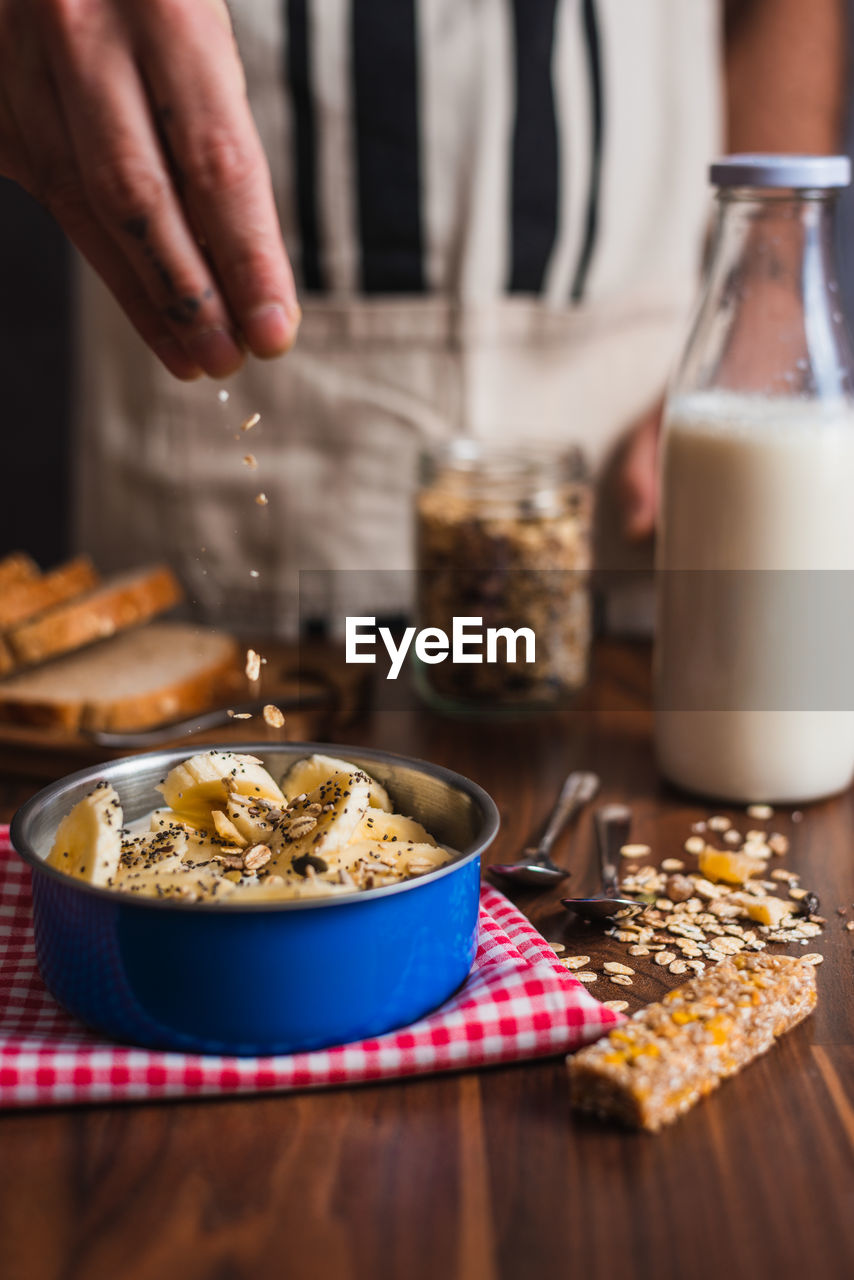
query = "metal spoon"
{"x": 612, "y": 823}
{"x": 536, "y": 866}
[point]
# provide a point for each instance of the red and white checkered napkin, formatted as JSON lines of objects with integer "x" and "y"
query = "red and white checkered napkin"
{"x": 518, "y": 1002}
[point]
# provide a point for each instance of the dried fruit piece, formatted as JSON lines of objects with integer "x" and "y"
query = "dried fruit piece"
{"x": 733, "y": 868}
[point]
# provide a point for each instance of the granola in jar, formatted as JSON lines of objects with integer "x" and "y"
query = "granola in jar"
{"x": 504, "y": 536}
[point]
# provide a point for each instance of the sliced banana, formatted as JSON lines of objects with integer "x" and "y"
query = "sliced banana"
{"x": 204, "y": 782}
{"x": 324, "y": 821}
{"x": 226, "y": 830}
{"x": 390, "y": 827}
{"x": 410, "y": 857}
{"x": 311, "y": 772}
{"x": 88, "y": 841}
{"x": 254, "y": 820}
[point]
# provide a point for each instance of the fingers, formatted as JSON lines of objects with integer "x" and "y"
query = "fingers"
{"x": 129, "y": 189}
{"x": 49, "y": 171}
{"x": 639, "y": 478}
{"x": 195, "y": 79}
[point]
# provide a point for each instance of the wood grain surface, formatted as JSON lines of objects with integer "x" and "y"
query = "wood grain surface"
{"x": 487, "y": 1175}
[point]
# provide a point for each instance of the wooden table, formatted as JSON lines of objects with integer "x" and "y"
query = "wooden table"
{"x": 487, "y": 1175}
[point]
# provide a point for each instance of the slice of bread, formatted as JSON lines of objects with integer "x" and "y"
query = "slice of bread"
{"x": 119, "y": 603}
{"x": 152, "y": 674}
{"x": 28, "y": 597}
{"x": 17, "y": 567}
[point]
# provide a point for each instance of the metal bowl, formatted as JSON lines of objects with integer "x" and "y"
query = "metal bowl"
{"x": 259, "y": 978}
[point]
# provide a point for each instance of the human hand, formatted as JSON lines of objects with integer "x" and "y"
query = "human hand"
{"x": 637, "y": 475}
{"x": 129, "y": 120}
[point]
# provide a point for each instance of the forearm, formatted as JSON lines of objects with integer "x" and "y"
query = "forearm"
{"x": 786, "y": 65}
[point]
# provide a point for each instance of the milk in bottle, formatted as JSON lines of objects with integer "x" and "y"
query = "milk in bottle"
{"x": 756, "y": 539}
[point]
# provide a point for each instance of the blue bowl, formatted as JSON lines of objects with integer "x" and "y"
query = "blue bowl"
{"x": 259, "y": 978}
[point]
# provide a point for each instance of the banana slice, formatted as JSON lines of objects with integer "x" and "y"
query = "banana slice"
{"x": 391, "y": 827}
{"x": 409, "y": 858}
{"x": 324, "y": 821}
{"x": 312, "y": 771}
{"x": 254, "y": 820}
{"x": 88, "y": 841}
{"x": 204, "y": 782}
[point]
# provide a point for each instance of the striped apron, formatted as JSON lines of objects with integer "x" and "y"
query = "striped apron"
{"x": 494, "y": 209}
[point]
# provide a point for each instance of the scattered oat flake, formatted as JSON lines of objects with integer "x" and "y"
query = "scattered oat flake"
{"x": 250, "y": 422}
{"x": 797, "y": 816}
{"x": 672, "y": 864}
{"x": 558, "y": 947}
{"x": 614, "y": 966}
{"x": 850, "y": 926}
{"x": 732, "y": 836}
{"x": 253, "y": 665}
{"x": 694, "y": 844}
{"x": 250, "y": 461}
{"x": 616, "y": 1005}
{"x": 240, "y": 715}
{"x": 273, "y": 716}
{"x": 665, "y": 957}
{"x": 261, "y": 499}
{"x": 635, "y": 850}
{"x": 762, "y": 812}
{"x": 576, "y": 962}
{"x": 720, "y": 822}
{"x": 814, "y": 957}
{"x": 586, "y": 975}
{"x": 620, "y": 979}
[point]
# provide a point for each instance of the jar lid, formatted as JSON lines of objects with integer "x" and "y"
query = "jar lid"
{"x": 781, "y": 171}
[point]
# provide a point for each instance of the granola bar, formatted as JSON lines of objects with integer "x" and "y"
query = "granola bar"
{"x": 649, "y": 1070}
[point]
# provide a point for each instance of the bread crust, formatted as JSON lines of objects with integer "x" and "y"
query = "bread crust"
{"x": 116, "y": 604}
{"x": 169, "y": 699}
{"x": 26, "y": 598}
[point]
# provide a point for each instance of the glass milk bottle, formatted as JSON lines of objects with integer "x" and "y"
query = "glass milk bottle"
{"x": 754, "y": 659}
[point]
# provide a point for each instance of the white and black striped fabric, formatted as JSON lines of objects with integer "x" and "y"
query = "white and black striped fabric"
{"x": 444, "y": 145}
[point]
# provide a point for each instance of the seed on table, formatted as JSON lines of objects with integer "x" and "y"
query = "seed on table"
{"x": 720, "y": 822}
{"x": 613, "y": 966}
{"x": 587, "y": 975}
{"x": 558, "y": 948}
{"x": 694, "y": 844}
{"x": 673, "y": 864}
{"x": 620, "y": 980}
{"x": 635, "y": 850}
{"x": 617, "y": 1005}
{"x": 576, "y": 962}
{"x": 762, "y": 812}
{"x": 665, "y": 957}
{"x": 814, "y": 957}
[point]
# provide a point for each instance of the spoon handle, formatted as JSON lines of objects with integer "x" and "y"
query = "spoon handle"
{"x": 613, "y": 822}
{"x": 577, "y": 790}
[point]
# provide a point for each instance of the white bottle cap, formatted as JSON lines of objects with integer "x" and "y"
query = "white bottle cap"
{"x": 800, "y": 172}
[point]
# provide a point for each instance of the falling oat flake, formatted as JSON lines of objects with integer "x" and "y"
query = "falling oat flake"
{"x": 222, "y": 396}
{"x": 261, "y": 499}
{"x": 253, "y": 665}
{"x": 250, "y": 422}
{"x": 273, "y": 716}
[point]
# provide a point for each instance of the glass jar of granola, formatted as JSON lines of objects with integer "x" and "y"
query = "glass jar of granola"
{"x": 504, "y": 558}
